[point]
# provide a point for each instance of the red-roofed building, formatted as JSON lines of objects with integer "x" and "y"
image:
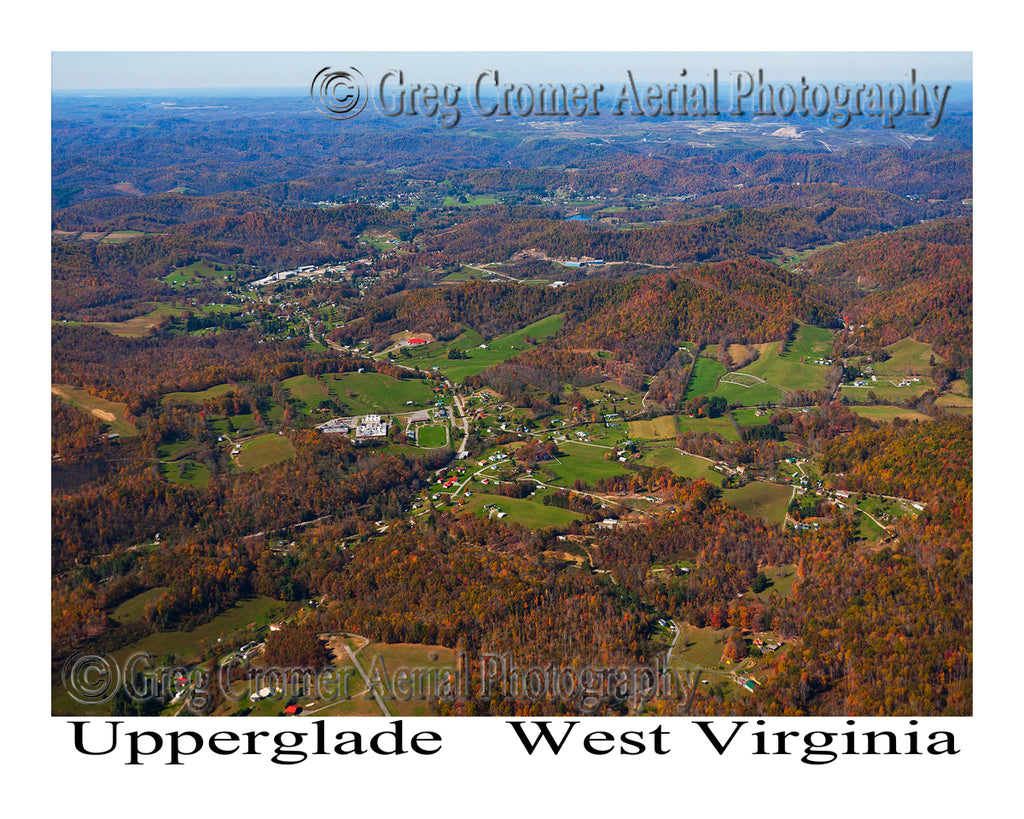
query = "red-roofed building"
{"x": 417, "y": 341}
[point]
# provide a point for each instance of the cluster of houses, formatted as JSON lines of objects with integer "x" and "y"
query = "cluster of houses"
{"x": 761, "y": 644}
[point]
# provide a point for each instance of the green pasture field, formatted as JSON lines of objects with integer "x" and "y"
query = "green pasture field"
{"x": 812, "y": 343}
{"x": 187, "y": 647}
{"x": 704, "y": 377}
{"x": 788, "y": 372}
{"x": 195, "y": 274}
{"x": 499, "y": 349}
{"x": 781, "y": 579}
{"x": 133, "y": 608}
{"x": 186, "y": 472}
{"x": 374, "y": 393}
{"x": 430, "y": 437}
{"x": 138, "y": 326}
{"x": 265, "y": 450}
{"x": 199, "y": 396}
{"x": 662, "y": 428}
{"x": 422, "y": 666}
{"x": 747, "y": 418}
{"x": 529, "y": 512}
{"x": 720, "y": 425}
{"x": 306, "y": 389}
{"x": 760, "y": 499}
{"x": 700, "y": 646}
{"x": 887, "y": 391}
{"x": 113, "y": 414}
{"x": 889, "y": 414}
{"x": 623, "y": 397}
{"x": 747, "y": 392}
{"x": 234, "y": 424}
{"x": 471, "y": 201}
{"x": 581, "y": 461}
{"x": 688, "y": 466}
{"x": 465, "y": 275}
{"x": 907, "y": 357}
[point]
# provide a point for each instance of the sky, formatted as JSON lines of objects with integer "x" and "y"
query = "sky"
{"x": 140, "y": 70}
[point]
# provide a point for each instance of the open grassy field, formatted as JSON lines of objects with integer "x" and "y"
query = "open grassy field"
{"x": 199, "y": 396}
{"x": 760, "y": 499}
{"x": 498, "y": 349}
{"x": 744, "y": 391}
{"x": 781, "y": 579}
{"x": 704, "y": 378}
{"x": 609, "y": 393}
{"x": 195, "y": 274}
{"x": 529, "y": 511}
{"x": 580, "y": 461}
{"x": 113, "y": 414}
{"x": 133, "y": 608}
{"x": 265, "y": 450}
{"x": 702, "y": 647}
{"x": 187, "y": 647}
{"x": 431, "y": 436}
{"x": 789, "y": 371}
{"x": 138, "y": 326}
{"x": 186, "y": 472}
{"x": 662, "y": 428}
{"x": 747, "y": 418}
{"x": 886, "y": 390}
{"x": 374, "y": 393}
{"x": 119, "y": 236}
{"x": 889, "y": 414}
{"x": 413, "y": 673}
{"x": 810, "y": 343}
{"x": 689, "y": 466}
{"x": 307, "y": 390}
{"x": 907, "y": 357}
{"x": 720, "y": 425}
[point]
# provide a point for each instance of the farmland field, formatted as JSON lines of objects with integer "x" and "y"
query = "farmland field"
{"x": 662, "y": 428}
{"x": 689, "y": 466}
{"x": 787, "y": 371}
{"x": 760, "y": 499}
{"x": 264, "y": 451}
{"x": 196, "y": 273}
{"x": 423, "y": 668}
{"x": 720, "y": 425}
{"x": 187, "y": 647}
{"x": 749, "y": 418}
{"x": 138, "y": 326}
{"x": 747, "y": 392}
{"x": 581, "y": 461}
{"x": 706, "y": 373}
{"x": 497, "y": 350}
{"x": 883, "y": 413}
{"x": 529, "y": 512}
{"x": 199, "y": 396}
{"x": 186, "y": 472}
{"x": 907, "y": 357}
{"x": 886, "y": 390}
{"x": 373, "y": 393}
{"x": 111, "y": 413}
{"x": 307, "y": 390}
